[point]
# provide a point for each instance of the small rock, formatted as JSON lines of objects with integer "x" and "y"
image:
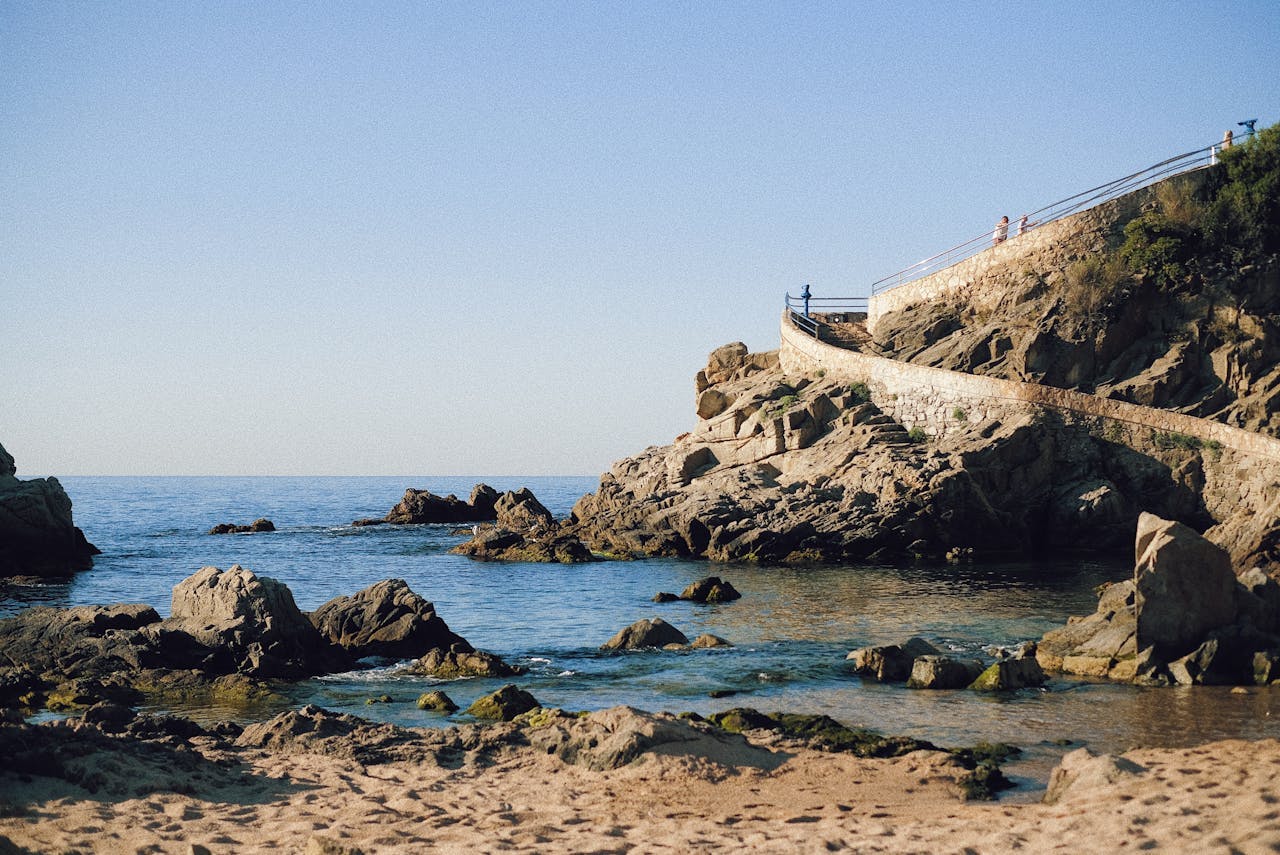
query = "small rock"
{"x": 665, "y": 597}
{"x": 504, "y": 704}
{"x": 890, "y": 663}
{"x": 711, "y": 589}
{"x": 436, "y": 701}
{"x": 707, "y": 640}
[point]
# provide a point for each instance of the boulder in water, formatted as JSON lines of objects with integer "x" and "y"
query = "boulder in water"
{"x": 646, "y": 633}
{"x": 385, "y": 619}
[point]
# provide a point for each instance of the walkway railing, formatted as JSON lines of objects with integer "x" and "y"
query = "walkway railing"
{"x": 813, "y": 314}
{"x": 1197, "y": 159}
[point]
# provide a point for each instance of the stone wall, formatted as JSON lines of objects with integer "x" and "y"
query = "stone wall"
{"x": 1045, "y": 251}
{"x": 930, "y": 398}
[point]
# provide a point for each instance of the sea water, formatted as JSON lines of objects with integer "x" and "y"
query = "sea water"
{"x": 791, "y": 630}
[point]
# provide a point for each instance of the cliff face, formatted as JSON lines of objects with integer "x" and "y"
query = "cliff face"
{"x": 1168, "y": 298}
{"x": 796, "y": 468}
{"x": 37, "y": 536}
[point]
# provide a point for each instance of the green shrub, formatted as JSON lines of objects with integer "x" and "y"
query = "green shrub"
{"x": 917, "y": 435}
{"x": 1172, "y": 440}
{"x": 1244, "y": 216}
{"x": 860, "y": 392}
{"x": 959, "y": 415}
{"x": 1159, "y": 247}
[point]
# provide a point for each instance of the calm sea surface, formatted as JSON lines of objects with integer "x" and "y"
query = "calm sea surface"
{"x": 792, "y": 627}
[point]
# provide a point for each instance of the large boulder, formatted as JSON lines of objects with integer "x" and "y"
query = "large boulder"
{"x": 1184, "y": 584}
{"x": 520, "y": 510}
{"x": 251, "y": 619}
{"x": 385, "y": 619}
{"x": 37, "y": 535}
{"x": 546, "y": 546}
{"x": 646, "y": 633}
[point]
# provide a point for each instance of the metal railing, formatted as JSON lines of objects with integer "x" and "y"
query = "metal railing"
{"x": 815, "y": 315}
{"x": 1187, "y": 162}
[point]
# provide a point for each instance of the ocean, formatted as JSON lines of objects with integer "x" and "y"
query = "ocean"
{"x": 791, "y": 629}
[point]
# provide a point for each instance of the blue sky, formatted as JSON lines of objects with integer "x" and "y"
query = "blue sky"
{"x": 382, "y": 238}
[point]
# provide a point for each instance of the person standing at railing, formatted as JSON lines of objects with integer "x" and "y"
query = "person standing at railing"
{"x": 1001, "y": 234}
{"x": 1227, "y": 140}
{"x": 1023, "y": 226}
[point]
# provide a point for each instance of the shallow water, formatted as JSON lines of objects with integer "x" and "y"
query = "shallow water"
{"x": 792, "y": 627}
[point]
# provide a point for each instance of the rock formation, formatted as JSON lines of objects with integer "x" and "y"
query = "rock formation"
{"x": 1183, "y": 617}
{"x": 386, "y": 619}
{"x": 228, "y": 631}
{"x": 258, "y": 525}
{"x": 37, "y": 535}
{"x": 423, "y": 506}
{"x": 647, "y": 633}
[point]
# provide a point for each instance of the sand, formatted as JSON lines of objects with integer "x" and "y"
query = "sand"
{"x": 1220, "y": 797}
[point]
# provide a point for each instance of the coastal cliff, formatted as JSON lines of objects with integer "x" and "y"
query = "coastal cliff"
{"x": 1035, "y": 398}
{"x": 37, "y": 535}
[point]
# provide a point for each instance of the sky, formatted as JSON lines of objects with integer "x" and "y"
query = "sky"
{"x": 378, "y": 238}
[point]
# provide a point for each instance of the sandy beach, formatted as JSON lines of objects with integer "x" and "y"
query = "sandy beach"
{"x": 371, "y": 792}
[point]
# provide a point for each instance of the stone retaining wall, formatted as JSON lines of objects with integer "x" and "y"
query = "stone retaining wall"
{"x": 930, "y": 398}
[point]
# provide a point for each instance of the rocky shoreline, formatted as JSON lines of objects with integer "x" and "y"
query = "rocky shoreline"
{"x": 37, "y": 534}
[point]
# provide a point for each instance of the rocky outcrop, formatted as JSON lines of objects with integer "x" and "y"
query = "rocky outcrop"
{"x": 943, "y": 672}
{"x": 646, "y": 633}
{"x": 228, "y": 632}
{"x": 423, "y": 506}
{"x": 1081, "y": 770}
{"x": 258, "y": 525}
{"x": 520, "y": 510}
{"x": 1183, "y": 617}
{"x": 251, "y": 619}
{"x": 37, "y": 534}
{"x": 800, "y": 468}
{"x": 548, "y": 545}
{"x": 386, "y": 619}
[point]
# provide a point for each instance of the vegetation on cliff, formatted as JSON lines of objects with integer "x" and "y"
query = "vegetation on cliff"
{"x": 1167, "y": 298}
